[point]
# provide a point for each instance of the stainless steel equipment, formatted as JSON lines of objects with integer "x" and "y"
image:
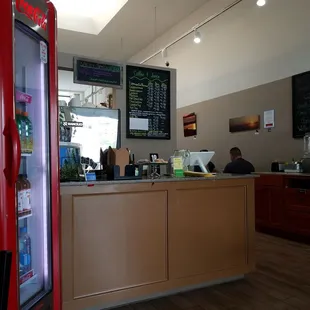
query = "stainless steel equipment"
{"x": 294, "y": 167}
{"x": 277, "y": 166}
{"x": 305, "y": 163}
{"x": 307, "y": 145}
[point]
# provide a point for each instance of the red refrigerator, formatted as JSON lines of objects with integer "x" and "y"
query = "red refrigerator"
{"x": 29, "y": 181}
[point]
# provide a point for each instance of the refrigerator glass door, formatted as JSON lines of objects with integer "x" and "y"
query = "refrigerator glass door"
{"x": 33, "y": 184}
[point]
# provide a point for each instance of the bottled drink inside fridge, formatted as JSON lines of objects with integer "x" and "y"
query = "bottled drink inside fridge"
{"x": 28, "y": 133}
{"x": 24, "y": 251}
{"x": 19, "y": 124}
{"x": 20, "y": 193}
{"x": 27, "y": 194}
{"x": 23, "y": 136}
{"x": 27, "y": 129}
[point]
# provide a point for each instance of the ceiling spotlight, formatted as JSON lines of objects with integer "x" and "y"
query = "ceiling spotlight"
{"x": 197, "y": 37}
{"x": 261, "y": 2}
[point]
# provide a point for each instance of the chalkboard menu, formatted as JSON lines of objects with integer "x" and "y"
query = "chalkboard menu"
{"x": 148, "y": 103}
{"x": 92, "y": 72}
{"x": 301, "y": 104}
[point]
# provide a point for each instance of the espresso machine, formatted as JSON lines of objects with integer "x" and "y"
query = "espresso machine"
{"x": 305, "y": 162}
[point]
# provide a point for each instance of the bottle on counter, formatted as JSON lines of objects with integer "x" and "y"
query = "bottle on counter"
{"x": 136, "y": 171}
{"x": 131, "y": 158}
{"x": 27, "y": 195}
{"x": 24, "y": 251}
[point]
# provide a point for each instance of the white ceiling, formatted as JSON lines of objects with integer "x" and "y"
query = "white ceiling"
{"x": 129, "y": 31}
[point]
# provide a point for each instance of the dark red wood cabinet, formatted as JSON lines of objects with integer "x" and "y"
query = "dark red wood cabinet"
{"x": 262, "y": 207}
{"x": 282, "y": 204}
{"x": 269, "y": 201}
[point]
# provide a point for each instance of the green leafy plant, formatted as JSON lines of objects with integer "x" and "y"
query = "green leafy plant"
{"x": 71, "y": 168}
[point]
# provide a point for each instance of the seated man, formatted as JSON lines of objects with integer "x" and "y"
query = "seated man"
{"x": 210, "y": 165}
{"x": 238, "y": 165}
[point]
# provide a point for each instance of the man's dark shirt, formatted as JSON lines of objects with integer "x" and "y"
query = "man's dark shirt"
{"x": 239, "y": 166}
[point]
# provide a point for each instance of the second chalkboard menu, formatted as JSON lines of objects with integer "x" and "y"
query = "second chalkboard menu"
{"x": 301, "y": 104}
{"x": 148, "y": 103}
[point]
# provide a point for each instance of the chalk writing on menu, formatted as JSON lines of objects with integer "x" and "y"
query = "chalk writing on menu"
{"x": 97, "y": 73}
{"x": 148, "y": 103}
{"x": 301, "y": 104}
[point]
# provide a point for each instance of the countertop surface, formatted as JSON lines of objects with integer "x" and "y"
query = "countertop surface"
{"x": 163, "y": 179}
{"x": 293, "y": 174}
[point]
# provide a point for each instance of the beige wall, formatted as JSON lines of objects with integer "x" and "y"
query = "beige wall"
{"x": 237, "y": 50}
{"x": 213, "y": 129}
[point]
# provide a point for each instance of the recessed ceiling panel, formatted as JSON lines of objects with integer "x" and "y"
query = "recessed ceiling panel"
{"x": 86, "y": 16}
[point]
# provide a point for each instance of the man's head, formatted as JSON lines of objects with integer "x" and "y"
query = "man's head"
{"x": 235, "y": 153}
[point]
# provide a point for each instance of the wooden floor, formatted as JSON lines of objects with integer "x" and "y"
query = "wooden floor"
{"x": 282, "y": 281}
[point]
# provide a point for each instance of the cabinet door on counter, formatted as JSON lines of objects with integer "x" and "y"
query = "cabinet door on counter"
{"x": 261, "y": 205}
{"x": 299, "y": 222}
{"x": 269, "y": 209}
{"x": 297, "y": 204}
{"x": 276, "y": 206}
{"x": 297, "y": 198}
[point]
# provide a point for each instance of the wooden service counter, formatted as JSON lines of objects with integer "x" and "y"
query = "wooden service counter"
{"x": 133, "y": 240}
{"x": 282, "y": 205}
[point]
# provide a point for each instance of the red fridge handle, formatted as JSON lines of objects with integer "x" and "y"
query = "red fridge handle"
{"x": 13, "y": 152}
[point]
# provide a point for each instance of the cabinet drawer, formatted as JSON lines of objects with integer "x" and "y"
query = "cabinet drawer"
{"x": 297, "y": 199}
{"x": 298, "y": 222}
{"x": 270, "y": 180}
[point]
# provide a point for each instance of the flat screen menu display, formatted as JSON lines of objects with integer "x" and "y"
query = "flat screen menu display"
{"x": 92, "y": 72}
{"x": 148, "y": 103}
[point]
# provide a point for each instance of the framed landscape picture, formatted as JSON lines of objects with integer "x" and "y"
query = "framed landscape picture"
{"x": 244, "y": 123}
{"x": 190, "y": 125}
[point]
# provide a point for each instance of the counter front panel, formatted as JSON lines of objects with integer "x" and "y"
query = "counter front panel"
{"x": 112, "y": 237}
{"x": 190, "y": 241}
{"x": 126, "y": 242}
